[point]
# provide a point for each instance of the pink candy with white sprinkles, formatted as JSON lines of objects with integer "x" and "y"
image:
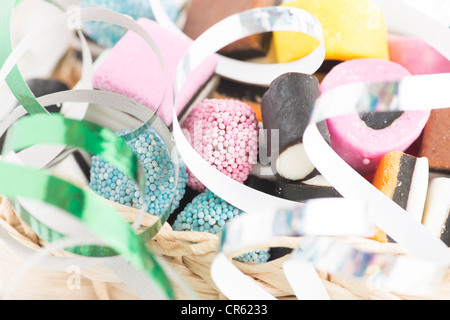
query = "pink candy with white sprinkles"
{"x": 225, "y": 133}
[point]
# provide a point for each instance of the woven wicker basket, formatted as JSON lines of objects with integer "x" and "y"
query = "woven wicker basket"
{"x": 190, "y": 254}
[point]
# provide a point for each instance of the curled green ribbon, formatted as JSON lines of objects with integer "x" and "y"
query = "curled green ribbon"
{"x": 15, "y": 80}
{"x": 88, "y": 207}
{"x": 97, "y": 216}
{"x": 100, "y": 218}
{"x": 55, "y": 129}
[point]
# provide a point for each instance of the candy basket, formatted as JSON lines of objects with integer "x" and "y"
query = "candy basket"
{"x": 188, "y": 254}
{"x": 191, "y": 261}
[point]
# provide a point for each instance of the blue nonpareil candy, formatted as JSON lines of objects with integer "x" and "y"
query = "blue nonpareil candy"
{"x": 209, "y": 213}
{"x": 107, "y": 34}
{"x": 160, "y": 189}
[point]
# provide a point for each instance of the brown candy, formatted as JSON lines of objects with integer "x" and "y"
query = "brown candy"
{"x": 436, "y": 140}
{"x": 202, "y": 14}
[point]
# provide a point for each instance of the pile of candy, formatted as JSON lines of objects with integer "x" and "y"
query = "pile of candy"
{"x": 224, "y": 129}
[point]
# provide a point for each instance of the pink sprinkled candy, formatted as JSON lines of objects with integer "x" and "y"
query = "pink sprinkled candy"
{"x": 225, "y": 133}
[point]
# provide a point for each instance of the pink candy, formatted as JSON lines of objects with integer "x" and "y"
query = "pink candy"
{"x": 359, "y": 145}
{"x": 132, "y": 69}
{"x": 417, "y": 56}
{"x": 224, "y": 133}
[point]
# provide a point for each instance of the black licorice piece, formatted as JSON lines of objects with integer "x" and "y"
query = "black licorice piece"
{"x": 300, "y": 191}
{"x": 42, "y": 87}
{"x": 403, "y": 179}
{"x": 292, "y": 190}
{"x": 286, "y": 107}
{"x": 278, "y": 252}
{"x": 263, "y": 185}
{"x": 380, "y": 121}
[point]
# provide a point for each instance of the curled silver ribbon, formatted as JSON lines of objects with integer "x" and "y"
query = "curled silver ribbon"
{"x": 269, "y": 19}
{"x": 400, "y": 274}
{"x": 92, "y": 96}
{"x": 252, "y": 22}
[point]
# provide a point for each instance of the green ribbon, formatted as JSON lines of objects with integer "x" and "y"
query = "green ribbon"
{"x": 15, "y": 80}
{"x": 55, "y": 129}
{"x": 99, "y": 217}
{"x": 50, "y": 235}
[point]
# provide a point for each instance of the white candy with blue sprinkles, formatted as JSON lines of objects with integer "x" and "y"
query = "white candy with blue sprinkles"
{"x": 106, "y": 34}
{"x": 159, "y": 170}
{"x": 209, "y": 213}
